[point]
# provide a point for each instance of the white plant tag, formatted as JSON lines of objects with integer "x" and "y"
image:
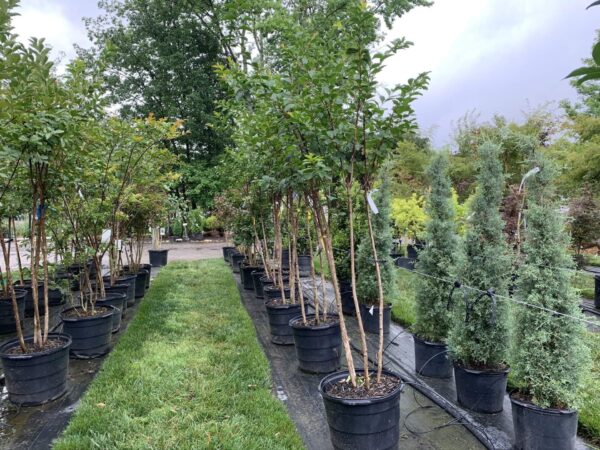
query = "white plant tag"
{"x": 106, "y": 236}
{"x": 372, "y": 204}
{"x": 372, "y": 309}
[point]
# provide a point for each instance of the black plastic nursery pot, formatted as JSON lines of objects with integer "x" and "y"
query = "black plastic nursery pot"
{"x": 36, "y": 378}
{"x": 480, "y": 390}
{"x": 347, "y": 299}
{"x": 285, "y": 259}
{"x": 146, "y": 281}
{"x": 257, "y": 283}
{"x": 119, "y": 289}
{"x": 597, "y": 291}
{"x": 246, "y": 276}
{"x": 543, "y": 428}
{"x": 7, "y": 317}
{"x": 226, "y": 251}
{"x": 236, "y": 260}
{"x": 130, "y": 281}
{"x": 116, "y": 299}
{"x": 318, "y": 347}
{"x": 362, "y": 424}
{"x": 158, "y": 258}
{"x": 279, "y": 321}
{"x": 432, "y": 359}
{"x": 370, "y": 317}
{"x": 304, "y": 265}
{"x": 140, "y": 282}
{"x": 273, "y": 292}
{"x": 406, "y": 263}
{"x": 90, "y": 335}
{"x": 55, "y": 296}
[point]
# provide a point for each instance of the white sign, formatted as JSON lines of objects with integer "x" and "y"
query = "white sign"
{"x": 106, "y": 234}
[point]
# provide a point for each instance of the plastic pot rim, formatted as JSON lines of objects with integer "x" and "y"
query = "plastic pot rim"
{"x": 489, "y": 372}
{"x": 296, "y": 323}
{"x": 359, "y": 401}
{"x": 540, "y": 410}
{"x": 89, "y": 318}
{"x": 67, "y": 340}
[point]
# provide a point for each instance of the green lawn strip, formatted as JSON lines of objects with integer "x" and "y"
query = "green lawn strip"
{"x": 188, "y": 373}
{"x": 403, "y": 303}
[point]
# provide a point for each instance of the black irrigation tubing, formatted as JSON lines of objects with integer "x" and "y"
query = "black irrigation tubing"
{"x": 501, "y": 297}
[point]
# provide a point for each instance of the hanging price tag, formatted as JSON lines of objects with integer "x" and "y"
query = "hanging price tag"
{"x": 372, "y": 309}
{"x": 372, "y": 204}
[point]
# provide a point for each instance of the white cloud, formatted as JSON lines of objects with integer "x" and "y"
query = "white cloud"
{"x": 47, "y": 19}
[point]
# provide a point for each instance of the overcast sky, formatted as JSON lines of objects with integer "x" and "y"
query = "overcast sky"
{"x": 489, "y": 56}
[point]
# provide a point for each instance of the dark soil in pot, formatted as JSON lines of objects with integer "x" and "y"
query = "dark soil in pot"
{"x": 357, "y": 422}
{"x": 236, "y": 260}
{"x": 543, "y": 428}
{"x": 37, "y": 377}
{"x": 226, "y": 251}
{"x": 318, "y": 346}
{"x": 7, "y": 317}
{"x": 273, "y": 292}
{"x": 480, "y": 390}
{"x": 304, "y": 265}
{"x": 370, "y": 317}
{"x": 279, "y": 321}
{"x": 246, "y": 276}
{"x": 347, "y": 299}
{"x": 130, "y": 281}
{"x": 158, "y": 258}
{"x": 432, "y": 359}
{"x": 116, "y": 299}
{"x": 90, "y": 333}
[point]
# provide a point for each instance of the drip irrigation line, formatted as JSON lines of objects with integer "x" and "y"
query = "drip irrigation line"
{"x": 502, "y": 297}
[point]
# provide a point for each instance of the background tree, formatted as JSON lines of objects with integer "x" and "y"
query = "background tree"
{"x": 585, "y": 224}
{"x": 157, "y": 58}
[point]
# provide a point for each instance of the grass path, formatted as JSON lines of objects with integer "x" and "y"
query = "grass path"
{"x": 188, "y": 374}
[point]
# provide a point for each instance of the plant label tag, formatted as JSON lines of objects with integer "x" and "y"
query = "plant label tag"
{"x": 372, "y": 204}
{"x": 162, "y": 231}
{"x": 119, "y": 244}
{"x": 372, "y": 309}
{"x": 106, "y": 234}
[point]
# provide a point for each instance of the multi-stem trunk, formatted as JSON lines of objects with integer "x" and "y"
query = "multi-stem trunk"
{"x": 46, "y": 279}
{"x": 325, "y": 231}
{"x": 268, "y": 268}
{"x": 278, "y": 245}
{"x": 312, "y": 269}
{"x": 34, "y": 264}
{"x": 361, "y": 329}
{"x": 379, "y": 288}
{"x": 18, "y": 252}
{"x": 13, "y": 297}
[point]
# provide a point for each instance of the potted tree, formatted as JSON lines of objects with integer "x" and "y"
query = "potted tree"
{"x": 479, "y": 330}
{"x": 437, "y": 260}
{"x": 547, "y": 379}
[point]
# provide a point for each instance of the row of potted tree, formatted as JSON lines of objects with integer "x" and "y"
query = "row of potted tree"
{"x": 312, "y": 135}
{"x": 90, "y": 185}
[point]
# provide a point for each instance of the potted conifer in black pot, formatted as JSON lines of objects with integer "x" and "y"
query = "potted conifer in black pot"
{"x": 548, "y": 353}
{"x": 437, "y": 260}
{"x": 479, "y": 332}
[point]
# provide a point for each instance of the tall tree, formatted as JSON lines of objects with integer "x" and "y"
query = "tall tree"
{"x": 157, "y": 57}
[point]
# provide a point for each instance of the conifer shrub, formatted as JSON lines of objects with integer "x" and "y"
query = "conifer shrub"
{"x": 548, "y": 353}
{"x": 479, "y": 338}
{"x": 438, "y": 258}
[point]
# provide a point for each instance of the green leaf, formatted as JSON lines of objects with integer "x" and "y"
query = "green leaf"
{"x": 596, "y": 53}
{"x": 596, "y": 3}
{"x": 584, "y": 71}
